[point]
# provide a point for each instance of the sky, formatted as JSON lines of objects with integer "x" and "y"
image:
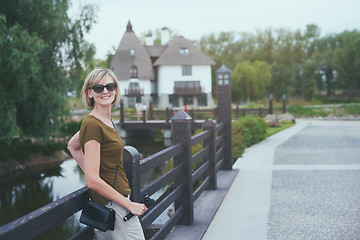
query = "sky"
{"x": 196, "y": 18}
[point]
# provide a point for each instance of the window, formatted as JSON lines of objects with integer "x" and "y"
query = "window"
{"x": 134, "y": 86}
{"x": 226, "y": 79}
{"x": 174, "y": 100}
{"x": 184, "y": 51}
{"x": 132, "y": 52}
{"x": 133, "y": 72}
{"x": 220, "y": 79}
{"x": 188, "y": 100}
{"x": 186, "y": 70}
{"x": 202, "y": 100}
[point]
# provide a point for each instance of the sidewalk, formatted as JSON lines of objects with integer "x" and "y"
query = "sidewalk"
{"x": 282, "y": 195}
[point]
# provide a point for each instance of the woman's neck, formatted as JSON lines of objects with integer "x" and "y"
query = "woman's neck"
{"x": 101, "y": 112}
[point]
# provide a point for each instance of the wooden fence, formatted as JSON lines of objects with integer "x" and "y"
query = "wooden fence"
{"x": 206, "y": 113}
{"x": 190, "y": 176}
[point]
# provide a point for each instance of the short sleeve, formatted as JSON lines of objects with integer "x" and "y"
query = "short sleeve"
{"x": 90, "y": 130}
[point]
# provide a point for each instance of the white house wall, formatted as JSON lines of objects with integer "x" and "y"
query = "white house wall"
{"x": 167, "y": 75}
{"x": 143, "y": 84}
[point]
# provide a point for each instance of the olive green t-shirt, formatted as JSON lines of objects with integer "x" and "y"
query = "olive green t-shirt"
{"x": 111, "y": 155}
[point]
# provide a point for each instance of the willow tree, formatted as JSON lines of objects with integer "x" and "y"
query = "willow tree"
{"x": 250, "y": 81}
{"x": 41, "y": 47}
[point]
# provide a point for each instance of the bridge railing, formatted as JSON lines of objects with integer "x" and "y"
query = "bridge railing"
{"x": 190, "y": 176}
{"x": 204, "y": 113}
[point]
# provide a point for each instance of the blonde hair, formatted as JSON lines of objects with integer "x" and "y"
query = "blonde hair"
{"x": 92, "y": 79}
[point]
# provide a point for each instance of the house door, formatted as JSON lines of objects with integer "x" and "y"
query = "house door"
{"x": 188, "y": 100}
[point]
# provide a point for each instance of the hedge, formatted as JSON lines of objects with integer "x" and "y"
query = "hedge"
{"x": 247, "y": 131}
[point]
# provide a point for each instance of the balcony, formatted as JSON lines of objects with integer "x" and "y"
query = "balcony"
{"x": 134, "y": 92}
{"x": 187, "y": 88}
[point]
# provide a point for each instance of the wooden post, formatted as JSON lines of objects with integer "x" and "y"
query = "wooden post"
{"x": 223, "y": 92}
{"x": 144, "y": 116}
{"x": 181, "y": 133}
{"x": 151, "y": 111}
{"x": 237, "y": 111}
{"x": 122, "y": 114}
{"x": 270, "y": 104}
{"x": 209, "y": 125}
{"x": 243, "y": 112}
{"x": 260, "y": 111}
{"x": 131, "y": 159}
{"x": 167, "y": 115}
{"x": 284, "y": 103}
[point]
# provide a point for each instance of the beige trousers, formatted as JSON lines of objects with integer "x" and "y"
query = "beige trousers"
{"x": 130, "y": 229}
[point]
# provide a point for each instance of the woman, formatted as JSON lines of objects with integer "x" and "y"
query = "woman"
{"x": 98, "y": 149}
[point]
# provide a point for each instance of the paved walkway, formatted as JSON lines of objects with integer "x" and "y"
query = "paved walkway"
{"x": 302, "y": 183}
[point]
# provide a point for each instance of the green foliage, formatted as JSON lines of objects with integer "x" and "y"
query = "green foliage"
{"x": 70, "y": 128}
{"x": 20, "y": 150}
{"x": 250, "y": 80}
{"x": 306, "y": 111}
{"x": 156, "y": 35}
{"x": 352, "y": 109}
{"x": 247, "y": 131}
{"x": 282, "y": 80}
{"x": 41, "y": 50}
{"x": 300, "y": 61}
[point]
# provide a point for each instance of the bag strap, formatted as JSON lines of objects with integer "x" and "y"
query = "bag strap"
{"x": 117, "y": 167}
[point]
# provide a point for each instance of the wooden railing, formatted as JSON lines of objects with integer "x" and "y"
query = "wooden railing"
{"x": 189, "y": 170}
{"x": 201, "y": 114}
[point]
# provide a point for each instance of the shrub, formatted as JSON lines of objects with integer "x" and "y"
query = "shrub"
{"x": 20, "y": 149}
{"x": 247, "y": 131}
{"x": 70, "y": 128}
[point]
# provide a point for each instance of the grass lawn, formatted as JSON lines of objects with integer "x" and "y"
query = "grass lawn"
{"x": 284, "y": 125}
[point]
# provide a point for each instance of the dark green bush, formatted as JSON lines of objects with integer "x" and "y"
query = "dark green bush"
{"x": 70, "y": 128}
{"x": 20, "y": 149}
{"x": 247, "y": 131}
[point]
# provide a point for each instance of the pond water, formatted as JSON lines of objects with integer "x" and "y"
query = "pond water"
{"x": 34, "y": 190}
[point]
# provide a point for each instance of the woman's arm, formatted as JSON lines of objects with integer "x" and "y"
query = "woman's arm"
{"x": 94, "y": 182}
{"x": 76, "y": 151}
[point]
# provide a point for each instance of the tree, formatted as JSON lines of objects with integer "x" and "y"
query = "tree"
{"x": 282, "y": 78}
{"x": 348, "y": 64}
{"x": 307, "y": 76}
{"x": 156, "y": 34}
{"x": 40, "y": 46}
{"x": 250, "y": 80}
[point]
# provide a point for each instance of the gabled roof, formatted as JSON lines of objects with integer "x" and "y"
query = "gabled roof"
{"x": 156, "y": 50}
{"x": 172, "y": 55}
{"x": 122, "y": 60}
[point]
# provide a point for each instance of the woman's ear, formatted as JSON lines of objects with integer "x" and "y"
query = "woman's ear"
{"x": 89, "y": 93}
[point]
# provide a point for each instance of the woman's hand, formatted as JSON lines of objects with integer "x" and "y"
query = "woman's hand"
{"x": 137, "y": 208}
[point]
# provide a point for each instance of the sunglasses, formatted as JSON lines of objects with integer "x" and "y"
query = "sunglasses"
{"x": 100, "y": 88}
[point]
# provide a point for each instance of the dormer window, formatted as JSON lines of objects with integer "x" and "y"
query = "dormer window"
{"x": 186, "y": 70}
{"x": 133, "y": 72}
{"x": 132, "y": 52}
{"x": 184, "y": 51}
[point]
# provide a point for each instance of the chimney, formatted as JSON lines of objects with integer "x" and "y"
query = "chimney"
{"x": 165, "y": 36}
{"x": 149, "y": 40}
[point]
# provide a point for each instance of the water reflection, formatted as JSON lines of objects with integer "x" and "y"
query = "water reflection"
{"x": 38, "y": 188}
{"x": 33, "y": 191}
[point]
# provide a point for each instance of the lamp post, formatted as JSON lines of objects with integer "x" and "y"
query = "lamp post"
{"x": 223, "y": 93}
{"x": 270, "y": 104}
{"x": 284, "y": 103}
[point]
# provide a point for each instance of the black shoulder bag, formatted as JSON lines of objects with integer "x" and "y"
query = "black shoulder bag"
{"x": 98, "y": 216}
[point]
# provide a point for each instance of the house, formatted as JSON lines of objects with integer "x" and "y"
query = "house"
{"x": 172, "y": 74}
